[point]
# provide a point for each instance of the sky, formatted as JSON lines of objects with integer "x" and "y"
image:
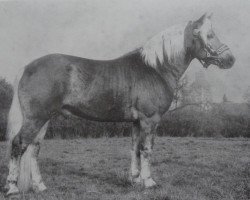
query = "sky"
{"x": 106, "y": 29}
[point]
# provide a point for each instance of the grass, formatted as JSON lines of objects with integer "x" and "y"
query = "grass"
{"x": 184, "y": 168}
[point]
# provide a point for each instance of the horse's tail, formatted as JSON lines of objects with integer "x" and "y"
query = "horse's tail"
{"x": 15, "y": 120}
{"x": 15, "y": 117}
{"x": 24, "y": 182}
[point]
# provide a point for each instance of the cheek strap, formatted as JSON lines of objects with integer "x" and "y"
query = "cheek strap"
{"x": 210, "y": 53}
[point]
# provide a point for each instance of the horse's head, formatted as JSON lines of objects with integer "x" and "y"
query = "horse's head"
{"x": 206, "y": 46}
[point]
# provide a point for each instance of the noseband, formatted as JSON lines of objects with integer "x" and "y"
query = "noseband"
{"x": 211, "y": 54}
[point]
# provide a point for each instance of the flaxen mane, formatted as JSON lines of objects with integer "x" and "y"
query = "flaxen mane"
{"x": 169, "y": 42}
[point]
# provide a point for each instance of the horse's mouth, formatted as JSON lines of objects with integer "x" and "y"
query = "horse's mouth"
{"x": 224, "y": 62}
{"x": 213, "y": 61}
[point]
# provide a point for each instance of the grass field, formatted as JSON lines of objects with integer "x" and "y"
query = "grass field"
{"x": 184, "y": 168}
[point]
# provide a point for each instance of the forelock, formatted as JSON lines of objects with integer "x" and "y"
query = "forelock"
{"x": 206, "y": 26}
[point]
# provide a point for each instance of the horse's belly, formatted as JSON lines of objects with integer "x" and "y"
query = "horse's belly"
{"x": 102, "y": 109}
{"x": 97, "y": 102}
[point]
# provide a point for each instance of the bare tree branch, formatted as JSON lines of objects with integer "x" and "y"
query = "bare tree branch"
{"x": 185, "y": 105}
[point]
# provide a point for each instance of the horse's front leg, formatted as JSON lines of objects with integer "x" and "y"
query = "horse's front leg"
{"x": 148, "y": 130}
{"x": 135, "y": 153}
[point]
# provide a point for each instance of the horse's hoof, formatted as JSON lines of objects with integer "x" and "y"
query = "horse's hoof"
{"x": 40, "y": 187}
{"x": 149, "y": 183}
{"x": 13, "y": 196}
{"x": 12, "y": 191}
{"x": 6, "y": 187}
{"x": 136, "y": 179}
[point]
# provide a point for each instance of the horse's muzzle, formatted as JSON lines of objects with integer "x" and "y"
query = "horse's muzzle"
{"x": 227, "y": 60}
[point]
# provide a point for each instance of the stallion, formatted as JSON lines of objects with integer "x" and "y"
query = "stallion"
{"x": 137, "y": 87}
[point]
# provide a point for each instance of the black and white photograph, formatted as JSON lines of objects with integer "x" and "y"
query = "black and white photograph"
{"x": 125, "y": 99}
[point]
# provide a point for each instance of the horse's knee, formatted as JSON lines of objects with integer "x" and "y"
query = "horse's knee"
{"x": 16, "y": 146}
{"x": 148, "y": 134}
{"x": 36, "y": 149}
{"x": 146, "y": 152}
{"x": 16, "y": 141}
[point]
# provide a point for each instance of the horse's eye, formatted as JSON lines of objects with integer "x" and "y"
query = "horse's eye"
{"x": 209, "y": 36}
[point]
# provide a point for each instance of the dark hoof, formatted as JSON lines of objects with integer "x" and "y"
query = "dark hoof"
{"x": 136, "y": 180}
{"x": 15, "y": 195}
{"x": 5, "y": 189}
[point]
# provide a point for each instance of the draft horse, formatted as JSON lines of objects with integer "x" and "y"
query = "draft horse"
{"x": 137, "y": 87}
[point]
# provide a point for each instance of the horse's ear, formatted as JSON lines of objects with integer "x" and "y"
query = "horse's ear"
{"x": 210, "y": 16}
{"x": 202, "y": 18}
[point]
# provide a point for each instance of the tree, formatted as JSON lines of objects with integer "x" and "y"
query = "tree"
{"x": 6, "y": 94}
{"x": 224, "y": 99}
{"x": 180, "y": 92}
{"x": 246, "y": 95}
{"x": 200, "y": 91}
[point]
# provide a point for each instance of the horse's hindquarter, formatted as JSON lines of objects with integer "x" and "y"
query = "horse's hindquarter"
{"x": 43, "y": 85}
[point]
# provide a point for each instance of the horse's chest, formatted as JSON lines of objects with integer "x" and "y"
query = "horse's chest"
{"x": 153, "y": 96}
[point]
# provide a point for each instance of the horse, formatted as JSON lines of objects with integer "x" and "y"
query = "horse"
{"x": 137, "y": 87}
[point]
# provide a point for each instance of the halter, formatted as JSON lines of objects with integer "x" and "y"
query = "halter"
{"x": 212, "y": 54}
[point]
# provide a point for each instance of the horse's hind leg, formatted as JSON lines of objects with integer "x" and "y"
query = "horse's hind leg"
{"x": 11, "y": 184}
{"x": 33, "y": 150}
{"x": 135, "y": 153}
{"x": 21, "y": 150}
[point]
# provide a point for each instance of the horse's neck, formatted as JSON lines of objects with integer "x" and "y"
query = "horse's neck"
{"x": 173, "y": 73}
{"x": 169, "y": 52}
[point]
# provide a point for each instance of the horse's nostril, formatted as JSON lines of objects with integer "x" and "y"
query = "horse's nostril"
{"x": 231, "y": 60}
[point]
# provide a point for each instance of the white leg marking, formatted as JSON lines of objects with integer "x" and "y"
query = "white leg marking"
{"x": 13, "y": 189}
{"x": 145, "y": 166}
{"x": 135, "y": 154}
{"x": 145, "y": 170}
{"x": 148, "y": 127}
{"x": 37, "y": 182}
{"x": 12, "y": 177}
{"x": 134, "y": 164}
{"x": 29, "y": 176}
{"x": 24, "y": 179}
{"x": 135, "y": 172}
